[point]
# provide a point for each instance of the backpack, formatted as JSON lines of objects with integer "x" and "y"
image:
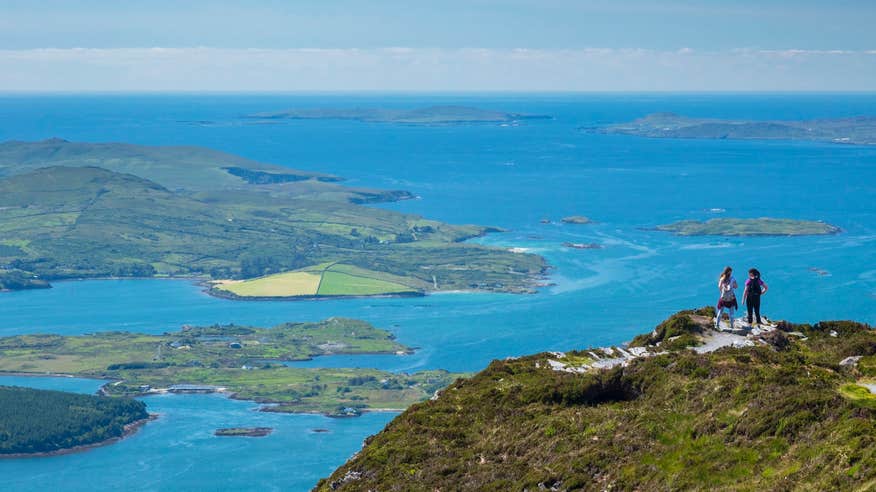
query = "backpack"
{"x": 727, "y": 293}
{"x": 754, "y": 288}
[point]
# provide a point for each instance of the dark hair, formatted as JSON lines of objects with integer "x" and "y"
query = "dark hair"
{"x": 725, "y": 274}
{"x": 754, "y": 272}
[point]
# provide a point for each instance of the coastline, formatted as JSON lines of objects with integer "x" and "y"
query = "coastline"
{"x": 129, "y": 430}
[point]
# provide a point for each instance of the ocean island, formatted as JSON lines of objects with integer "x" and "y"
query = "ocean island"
{"x": 42, "y": 423}
{"x": 857, "y": 131}
{"x": 764, "y": 226}
{"x": 243, "y": 361}
{"x": 576, "y": 219}
{"x": 243, "y": 432}
{"x": 778, "y": 407}
{"x": 80, "y": 210}
{"x": 433, "y": 115}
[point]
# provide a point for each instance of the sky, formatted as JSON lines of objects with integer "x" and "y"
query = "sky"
{"x": 444, "y": 45}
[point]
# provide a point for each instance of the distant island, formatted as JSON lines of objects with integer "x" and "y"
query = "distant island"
{"x": 42, "y": 423}
{"x": 764, "y": 226}
{"x": 246, "y": 362}
{"x": 576, "y": 219}
{"x": 859, "y": 130}
{"x": 684, "y": 407}
{"x": 433, "y": 115}
{"x": 244, "y": 432}
{"x": 80, "y": 210}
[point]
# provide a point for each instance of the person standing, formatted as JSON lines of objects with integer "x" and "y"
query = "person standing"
{"x": 727, "y": 299}
{"x": 754, "y": 288}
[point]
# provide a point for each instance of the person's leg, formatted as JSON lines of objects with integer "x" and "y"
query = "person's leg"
{"x": 749, "y": 305}
{"x": 757, "y": 308}
{"x": 730, "y": 312}
{"x": 718, "y": 317}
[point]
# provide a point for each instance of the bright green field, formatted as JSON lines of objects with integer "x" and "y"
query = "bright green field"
{"x": 328, "y": 279}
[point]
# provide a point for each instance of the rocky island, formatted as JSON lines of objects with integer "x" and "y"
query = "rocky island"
{"x": 80, "y": 210}
{"x": 245, "y": 362}
{"x": 243, "y": 432}
{"x": 856, "y": 131}
{"x": 778, "y": 407}
{"x": 42, "y": 423}
{"x": 433, "y": 115}
{"x": 576, "y": 219}
{"x": 764, "y": 226}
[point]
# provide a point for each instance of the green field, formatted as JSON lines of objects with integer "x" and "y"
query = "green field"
{"x": 328, "y": 279}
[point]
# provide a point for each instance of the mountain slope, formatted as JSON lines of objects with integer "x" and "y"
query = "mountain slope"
{"x": 782, "y": 414}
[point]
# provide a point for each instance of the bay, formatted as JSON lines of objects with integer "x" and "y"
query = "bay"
{"x": 506, "y": 176}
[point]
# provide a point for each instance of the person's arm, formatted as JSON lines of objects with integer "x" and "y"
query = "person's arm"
{"x": 745, "y": 294}
{"x": 763, "y": 287}
{"x": 735, "y": 285}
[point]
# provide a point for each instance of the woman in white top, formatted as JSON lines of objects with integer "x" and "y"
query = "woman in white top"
{"x": 727, "y": 299}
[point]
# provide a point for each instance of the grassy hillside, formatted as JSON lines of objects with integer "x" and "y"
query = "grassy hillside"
{"x": 781, "y": 414}
{"x": 40, "y": 421}
{"x": 71, "y": 222}
{"x": 181, "y": 167}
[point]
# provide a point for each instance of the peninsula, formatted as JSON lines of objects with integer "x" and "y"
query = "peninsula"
{"x": 41, "y": 422}
{"x": 243, "y": 361}
{"x": 780, "y": 407}
{"x": 433, "y": 115}
{"x": 764, "y": 226}
{"x": 74, "y": 210}
{"x": 859, "y": 130}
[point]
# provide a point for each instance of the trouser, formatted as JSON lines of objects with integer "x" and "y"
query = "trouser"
{"x": 753, "y": 304}
{"x": 731, "y": 310}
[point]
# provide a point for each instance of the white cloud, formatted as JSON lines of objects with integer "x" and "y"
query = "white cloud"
{"x": 434, "y": 69}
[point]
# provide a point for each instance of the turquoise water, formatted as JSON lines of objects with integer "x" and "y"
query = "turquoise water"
{"x": 178, "y": 451}
{"x": 486, "y": 174}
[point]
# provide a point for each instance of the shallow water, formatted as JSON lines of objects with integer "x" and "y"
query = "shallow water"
{"x": 488, "y": 174}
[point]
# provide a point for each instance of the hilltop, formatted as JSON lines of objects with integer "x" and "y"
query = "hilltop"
{"x": 859, "y": 130}
{"x": 78, "y": 222}
{"x": 782, "y": 407}
{"x": 433, "y": 115}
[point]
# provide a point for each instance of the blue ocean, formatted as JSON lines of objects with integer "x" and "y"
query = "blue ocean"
{"x": 510, "y": 176}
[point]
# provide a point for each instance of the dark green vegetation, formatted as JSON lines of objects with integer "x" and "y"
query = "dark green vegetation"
{"x": 781, "y": 415}
{"x": 860, "y": 130}
{"x": 196, "y": 212}
{"x": 434, "y": 115}
{"x": 39, "y": 421}
{"x": 241, "y": 360}
{"x": 18, "y": 280}
{"x": 244, "y": 432}
{"x": 763, "y": 226}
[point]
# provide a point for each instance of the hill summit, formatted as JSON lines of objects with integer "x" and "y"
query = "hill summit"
{"x": 780, "y": 407}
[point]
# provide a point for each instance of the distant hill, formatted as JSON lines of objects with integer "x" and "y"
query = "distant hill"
{"x": 780, "y": 409}
{"x": 175, "y": 167}
{"x": 42, "y": 422}
{"x": 859, "y": 130}
{"x": 75, "y": 222}
{"x": 420, "y": 116}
